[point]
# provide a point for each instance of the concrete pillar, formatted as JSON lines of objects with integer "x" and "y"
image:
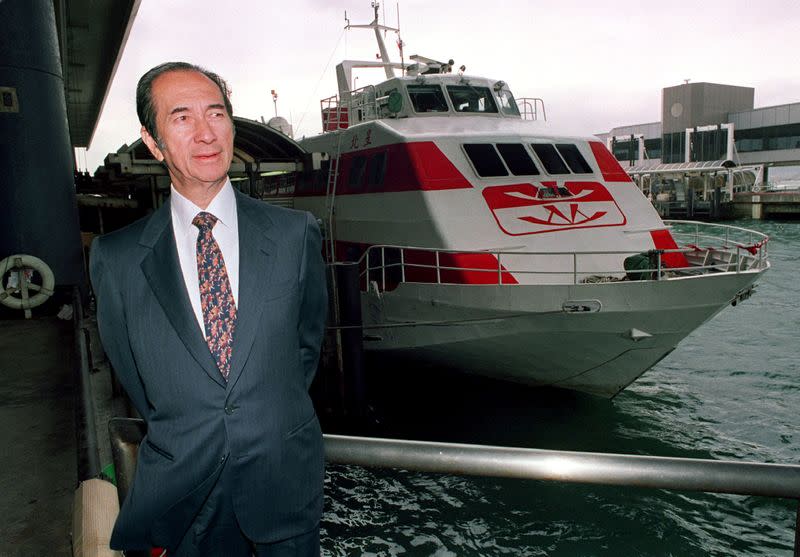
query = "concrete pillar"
{"x": 38, "y": 211}
{"x": 757, "y": 211}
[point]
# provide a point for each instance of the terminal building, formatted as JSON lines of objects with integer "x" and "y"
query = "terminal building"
{"x": 710, "y": 139}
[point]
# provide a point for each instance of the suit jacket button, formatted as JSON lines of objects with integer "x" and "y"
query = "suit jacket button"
{"x": 229, "y": 410}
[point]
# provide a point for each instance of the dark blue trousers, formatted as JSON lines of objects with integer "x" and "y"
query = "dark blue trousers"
{"x": 215, "y": 532}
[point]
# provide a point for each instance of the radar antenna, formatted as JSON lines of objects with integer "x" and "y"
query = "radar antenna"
{"x": 377, "y": 27}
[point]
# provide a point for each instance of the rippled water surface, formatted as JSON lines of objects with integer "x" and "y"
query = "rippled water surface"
{"x": 730, "y": 391}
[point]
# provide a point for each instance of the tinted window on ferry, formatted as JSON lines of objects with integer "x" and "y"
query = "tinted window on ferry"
{"x": 316, "y": 181}
{"x": 517, "y": 159}
{"x": 574, "y": 159}
{"x": 507, "y": 103}
{"x": 550, "y": 159}
{"x": 356, "y": 179}
{"x": 466, "y": 98}
{"x": 376, "y": 171}
{"x": 427, "y": 98}
{"x": 485, "y": 159}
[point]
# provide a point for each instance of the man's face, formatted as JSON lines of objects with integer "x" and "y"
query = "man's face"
{"x": 194, "y": 129}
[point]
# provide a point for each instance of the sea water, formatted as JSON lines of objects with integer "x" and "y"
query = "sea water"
{"x": 730, "y": 391}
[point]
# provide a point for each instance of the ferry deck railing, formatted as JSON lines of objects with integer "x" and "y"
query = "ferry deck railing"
{"x": 732, "y": 250}
{"x": 729, "y": 235}
{"x": 529, "y": 108}
{"x": 358, "y": 105}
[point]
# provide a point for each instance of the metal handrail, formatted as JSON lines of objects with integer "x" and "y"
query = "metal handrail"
{"x": 364, "y": 98}
{"x": 657, "y": 472}
{"x": 681, "y": 474}
{"x": 88, "y": 452}
{"x": 727, "y": 227}
{"x": 754, "y": 238}
{"x": 528, "y": 108}
{"x": 739, "y": 262}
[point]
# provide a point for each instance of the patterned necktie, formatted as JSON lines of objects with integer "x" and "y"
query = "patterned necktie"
{"x": 216, "y": 297}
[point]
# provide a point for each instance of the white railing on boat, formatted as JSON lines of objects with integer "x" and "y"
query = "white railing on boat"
{"x": 727, "y": 234}
{"x": 358, "y": 105}
{"x": 730, "y": 249}
{"x": 529, "y": 108}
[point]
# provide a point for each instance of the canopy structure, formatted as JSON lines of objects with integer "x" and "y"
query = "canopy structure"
{"x": 92, "y": 36}
{"x": 699, "y": 175}
{"x": 699, "y": 167}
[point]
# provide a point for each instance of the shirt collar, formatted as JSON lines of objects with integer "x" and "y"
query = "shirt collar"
{"x": 223, "y": 206}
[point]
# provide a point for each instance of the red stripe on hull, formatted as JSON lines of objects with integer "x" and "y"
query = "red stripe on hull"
{"x": 456, "y": 268}
{"x": 419, "y": 166}
{"x": 609, "y": 166}
{"x": 420, "y": 266}
{"x": 662, "y": 239}
{"x": 434, "y": 169}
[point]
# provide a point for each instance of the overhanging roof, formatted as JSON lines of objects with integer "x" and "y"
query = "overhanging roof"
{"x": 257, "y": 142}
{"x": 700, "y": 167}
{"x": 92, "y": 36}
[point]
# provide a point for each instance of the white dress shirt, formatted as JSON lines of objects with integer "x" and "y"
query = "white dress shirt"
{"x": 226, "y": 233}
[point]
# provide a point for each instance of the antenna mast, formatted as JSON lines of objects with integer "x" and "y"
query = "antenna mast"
{"x": 377, "y": 27}
{"x": 400, "y": 43}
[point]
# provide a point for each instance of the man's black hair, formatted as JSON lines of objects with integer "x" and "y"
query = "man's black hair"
{"x": 144, "y": 92}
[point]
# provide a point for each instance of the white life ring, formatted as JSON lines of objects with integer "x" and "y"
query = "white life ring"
{"x": 20, "y": 262}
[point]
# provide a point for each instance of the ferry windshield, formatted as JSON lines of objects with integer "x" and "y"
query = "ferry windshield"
{"x": 467, "y": 98}
{"x": 427, "y": 98}
{"x": 507, "y": 103}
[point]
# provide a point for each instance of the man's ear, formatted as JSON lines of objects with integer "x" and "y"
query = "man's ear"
{"x": 152, "y": 144}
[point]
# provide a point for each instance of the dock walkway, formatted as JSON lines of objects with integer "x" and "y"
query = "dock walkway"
{"x": 38, "y": 475}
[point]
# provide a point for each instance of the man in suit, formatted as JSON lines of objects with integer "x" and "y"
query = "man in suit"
{"x": 211, "y": 311}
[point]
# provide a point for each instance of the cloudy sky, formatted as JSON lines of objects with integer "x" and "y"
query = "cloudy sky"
{"x": 597, "y": 65}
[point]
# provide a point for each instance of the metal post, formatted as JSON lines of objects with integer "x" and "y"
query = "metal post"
{"x": 438, "y": 271}
{"x": 574, "y": 268}
{"x": 402, "y": 265}
{"x": 499, "y": 270}
{"x": 383, "y": 268}
{"x": 658, "y": 255}
{"x": 353, "y": 377}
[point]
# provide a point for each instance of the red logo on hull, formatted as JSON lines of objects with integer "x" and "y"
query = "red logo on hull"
{"x": 527, "y": 209}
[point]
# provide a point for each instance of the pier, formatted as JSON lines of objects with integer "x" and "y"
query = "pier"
{"x": 712, "y": 154}
{"x": 766, "y": 205}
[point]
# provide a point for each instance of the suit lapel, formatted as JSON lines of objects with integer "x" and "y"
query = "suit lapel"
{"x": 256, "y": 266}
{"x": 162, "y": 270}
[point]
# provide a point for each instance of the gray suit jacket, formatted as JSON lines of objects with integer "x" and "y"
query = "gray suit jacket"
{"x": 261, "y": 423}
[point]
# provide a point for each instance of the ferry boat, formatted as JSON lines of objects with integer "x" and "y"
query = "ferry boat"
{"x": 490, "y": 242}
